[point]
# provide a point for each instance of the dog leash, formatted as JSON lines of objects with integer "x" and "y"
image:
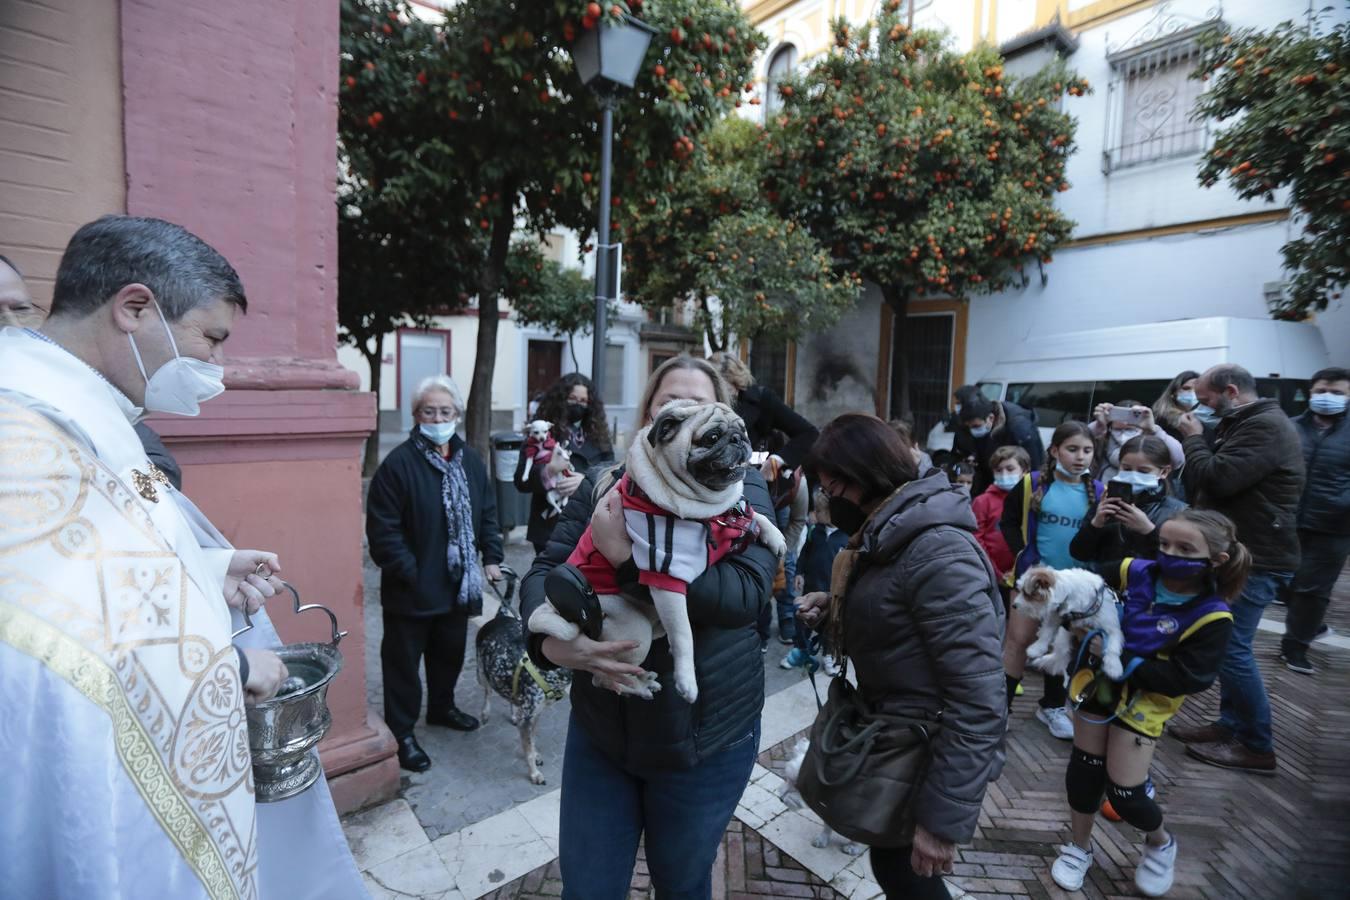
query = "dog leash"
{"x": 1078, "y": 698}
{"x": 552, "y": 693}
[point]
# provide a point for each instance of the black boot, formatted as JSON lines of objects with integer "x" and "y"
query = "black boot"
{"x": 453, "y": 718}
{"x": 411, "y": 756}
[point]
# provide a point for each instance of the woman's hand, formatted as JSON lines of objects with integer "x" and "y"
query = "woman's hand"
{"x": 567, "y": 485}
{"x": 1132, "y": 517}
{"x": 609, "y": 532}
{"x": 1102, "y": 414}
{"x": 1146, "y": 423}
{"x": 931, "y": 855}
{"x": 493, "y": 572}
{"x": 600, "y": 658}
{"x": 811, "y": 607}
{"x": 250, "y": 579}
{"x": 266, "y": 672}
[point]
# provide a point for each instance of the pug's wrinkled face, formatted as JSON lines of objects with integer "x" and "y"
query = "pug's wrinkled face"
{"x": 711, "y": 437}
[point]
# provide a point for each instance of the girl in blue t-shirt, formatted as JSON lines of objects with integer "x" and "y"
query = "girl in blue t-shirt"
{"x": 1040, "y": 518}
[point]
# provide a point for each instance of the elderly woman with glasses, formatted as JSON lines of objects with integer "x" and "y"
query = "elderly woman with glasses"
{"x": 430, "y": 512}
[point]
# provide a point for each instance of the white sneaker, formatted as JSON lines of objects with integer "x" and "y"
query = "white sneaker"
{"x": 1153, "y": 877}
{"x": 1057, "y": 720}
{"x": 1071, "y": 867}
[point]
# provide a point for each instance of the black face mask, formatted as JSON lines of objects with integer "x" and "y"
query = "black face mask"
{"x": 846, "y": 515}
{"x": 576, "y": 412}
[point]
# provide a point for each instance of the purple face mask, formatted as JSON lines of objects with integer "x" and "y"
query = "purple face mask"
{"x": 1181, "y": 568}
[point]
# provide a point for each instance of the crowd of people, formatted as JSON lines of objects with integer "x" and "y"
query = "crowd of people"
{"x": 1197, "y": 512}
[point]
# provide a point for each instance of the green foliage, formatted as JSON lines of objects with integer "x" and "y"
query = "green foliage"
{"x": 925, "y": 171}
{"x": 480, "y": 121}
{"x": 711, "y": 234}
{"x": 556, "y": 298}
{"x": 1285, "y": 98}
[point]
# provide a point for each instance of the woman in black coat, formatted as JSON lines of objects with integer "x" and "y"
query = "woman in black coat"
{"x": 765, "y": 412}
{"x": 578, "y": 417}
{"x": 661, "y": 767}
{"x": 430, "y": 511}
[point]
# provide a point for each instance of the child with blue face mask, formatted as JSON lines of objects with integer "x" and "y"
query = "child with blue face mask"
{"x": 1041, "y": 516}
{"x": 1009, "y": 465}
{"x": 1121, "y": 527}
{"x": 1176, "y": 623}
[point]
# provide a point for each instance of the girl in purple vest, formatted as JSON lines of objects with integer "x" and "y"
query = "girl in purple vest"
{"x": 1041, "y": 515}
{"x": 1176, "y": 622}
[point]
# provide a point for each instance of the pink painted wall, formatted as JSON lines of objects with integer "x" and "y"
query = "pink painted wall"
{"x": 230, "y": 124}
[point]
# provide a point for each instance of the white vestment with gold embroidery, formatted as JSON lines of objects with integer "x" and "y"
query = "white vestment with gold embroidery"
{"x": 124, "y": 760}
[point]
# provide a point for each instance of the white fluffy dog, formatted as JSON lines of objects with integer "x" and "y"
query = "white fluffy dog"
{"x": 788, "y": 794}
{"x": 1068, "y": 602}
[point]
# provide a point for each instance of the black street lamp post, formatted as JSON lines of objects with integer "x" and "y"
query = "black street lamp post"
{"x": 608, "y": 58}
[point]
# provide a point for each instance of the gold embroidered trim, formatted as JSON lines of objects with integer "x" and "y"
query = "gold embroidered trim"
{"x": 89, "y": 674}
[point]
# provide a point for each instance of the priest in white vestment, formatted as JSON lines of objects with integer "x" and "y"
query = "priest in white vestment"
{"x": 126, "y": 769}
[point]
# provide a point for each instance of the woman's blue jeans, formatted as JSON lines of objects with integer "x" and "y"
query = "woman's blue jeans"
{"x": 606, "y": 809}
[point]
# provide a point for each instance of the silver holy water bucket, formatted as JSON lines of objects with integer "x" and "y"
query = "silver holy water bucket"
{"x": 283, "y": 731}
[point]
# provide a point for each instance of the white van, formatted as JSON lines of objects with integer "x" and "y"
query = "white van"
{"x": 1063, "y": 376}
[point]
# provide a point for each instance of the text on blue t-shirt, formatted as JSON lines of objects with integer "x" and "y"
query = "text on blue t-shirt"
{"x": 1062, "y": 510}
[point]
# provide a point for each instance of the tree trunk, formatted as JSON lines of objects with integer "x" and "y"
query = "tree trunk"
{"x": 478, "y": 416}
{"x": 375, "y": 361}
{"x": 714, "y": 343}
{"x": 897, "y": 298}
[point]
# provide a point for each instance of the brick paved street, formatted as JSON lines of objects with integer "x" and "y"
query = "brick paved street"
{"x": 1240, "y": 835}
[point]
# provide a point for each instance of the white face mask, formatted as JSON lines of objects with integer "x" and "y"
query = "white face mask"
{"x": 181, "y": 384}
{"x": 1125, "y": 435}
{"x": 1144, "y": 481}
{"x": 439, "y": 432}
{"x": 1006, "y": 481}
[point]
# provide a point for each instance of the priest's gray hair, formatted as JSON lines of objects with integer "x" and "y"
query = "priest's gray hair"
{"x": 438, "y": 383}
{"x": 180, "y": 269}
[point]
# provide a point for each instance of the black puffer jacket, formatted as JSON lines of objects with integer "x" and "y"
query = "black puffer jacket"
{"x": 765, "y": 412}
{"x": 1253, "y": 474}
{"x": 724, "y": 604}
{"x": 1018, "y": 430}
{"x": 1325, "y": 505}
{"x": 408, "y": 534}
{"x": 923, "y": 627}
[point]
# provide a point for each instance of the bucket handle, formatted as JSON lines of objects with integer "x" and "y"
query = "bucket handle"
{"x": 337, "y": 635}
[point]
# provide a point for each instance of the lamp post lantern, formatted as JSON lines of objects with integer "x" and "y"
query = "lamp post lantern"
{"x": 608, "y": 58}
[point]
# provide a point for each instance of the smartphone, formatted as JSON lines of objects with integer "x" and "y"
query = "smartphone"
{"x": 1120, "y": 490}
{"x": 1125, "y": 414}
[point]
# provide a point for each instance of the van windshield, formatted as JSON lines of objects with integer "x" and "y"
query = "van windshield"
{"x": 1053, "y": 402}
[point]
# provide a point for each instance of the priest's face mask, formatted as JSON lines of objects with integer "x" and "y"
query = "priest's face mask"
{"x": 180, "y": 364}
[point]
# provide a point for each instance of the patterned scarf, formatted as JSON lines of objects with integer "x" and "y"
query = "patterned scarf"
{"x": 461, "y": 555}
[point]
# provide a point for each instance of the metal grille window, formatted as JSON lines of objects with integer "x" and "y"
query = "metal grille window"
{"x": 1151, "y": 95}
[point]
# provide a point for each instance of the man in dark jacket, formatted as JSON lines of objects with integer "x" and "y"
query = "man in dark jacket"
{"x": 417, "y": 527}
{"x": 982, "y": 426}
{"x": 1323, "y": 514}
{"x": 1253, "y": 474}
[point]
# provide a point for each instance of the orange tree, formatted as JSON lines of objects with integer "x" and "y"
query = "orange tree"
{"x": 712, "y": 241}
{"x": 925, "y": 171}
{"x": 1285, "y": 95}
{"x": 503, "y": 137}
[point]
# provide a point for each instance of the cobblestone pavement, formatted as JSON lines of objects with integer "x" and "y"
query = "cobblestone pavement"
{"x": 1240, "y": 835}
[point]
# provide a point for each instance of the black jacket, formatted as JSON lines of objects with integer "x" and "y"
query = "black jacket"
{"x": 1253, "y": 474}
{"x": 923, "y": 626}
{"x": 1325, "y": 505}
{"x": 538, "y": 528}
{"x": 408, "y": 534}
{"x": 724, "y": 605}
{"x": 1115, "y": 541}
{"x": 764, "y": 412}
{"x": 1018, "y": 430}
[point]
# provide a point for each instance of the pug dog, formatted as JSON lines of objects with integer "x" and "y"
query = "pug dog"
{"x": 684, "y": 510}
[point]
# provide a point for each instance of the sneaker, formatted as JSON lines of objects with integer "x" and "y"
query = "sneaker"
{"x": 1071, "y": 867}
{"x": 1153, "y": 877}
{"x": 795, "y": 657}
{"x": 1109, "y": 811}
{"x": 829, "y": 666}
{"x": 1296, "y": 660}
{"x": 763, "y": 647}
{"x": 1056, "y": 718}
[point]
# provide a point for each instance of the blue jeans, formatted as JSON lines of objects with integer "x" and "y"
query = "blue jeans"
{"x": 684, "y": 813}
{"x": 1244, "y": 707}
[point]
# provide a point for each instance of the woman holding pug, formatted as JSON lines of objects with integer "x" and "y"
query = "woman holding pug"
{"x": 919, "y": 616}
{"x": 577, "y": 415}
{"x": 662, "y": 767}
